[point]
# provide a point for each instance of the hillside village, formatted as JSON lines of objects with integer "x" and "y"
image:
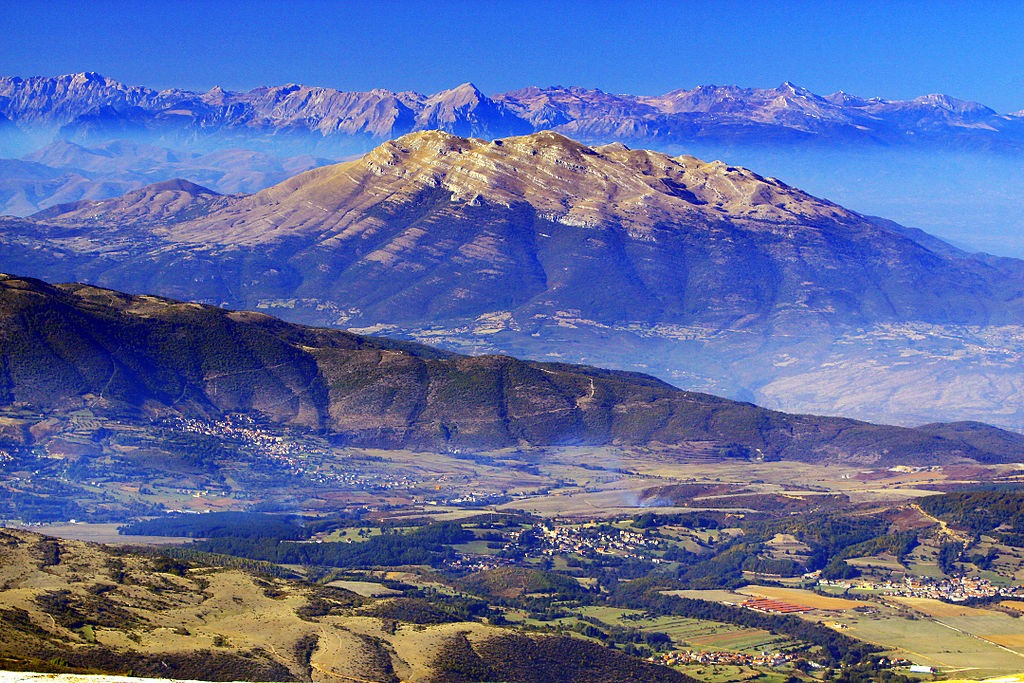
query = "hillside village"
{"x": 947, "y": 589}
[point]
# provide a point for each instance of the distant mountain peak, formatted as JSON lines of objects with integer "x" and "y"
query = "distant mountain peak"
{"x": 459, "y": 97}
{"x": 939, "y": 99}
{"x": 84, "y": 76}
{"x": 167, "y": 201}
{"x": 180, "y": 185}
{"x": 789, "y": 86}
{"x": 465, "y": 110}
{"x": 953, "y": 104}
{"x": 92, "y": 80}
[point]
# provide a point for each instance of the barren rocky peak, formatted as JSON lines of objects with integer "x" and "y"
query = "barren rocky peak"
{"x": 86, "y": 103}
{"x": 58, "y": 99}
{"x": 584, "y": 185}
{"x": 563, "y": 180}
{"x": 459, "y": 96}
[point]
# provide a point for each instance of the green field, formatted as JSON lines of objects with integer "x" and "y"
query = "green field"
{"x": 695, "y": 634}
{"x": 352, "y": 534}
{"x": 475, "y": 548}
{"x": 924, "y": 641}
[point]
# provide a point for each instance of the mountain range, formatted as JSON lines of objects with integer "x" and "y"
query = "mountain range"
{"x": 74, "y": 347}
{"x": 88, "y": 106}
{"x": 710, "y": 276}
{"x": 936, "y": 162}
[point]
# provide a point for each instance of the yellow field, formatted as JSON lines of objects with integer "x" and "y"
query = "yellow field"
{"x": 937, "y": 608}
{"x": 799, "y": 596}
{"x": 1015, "y": 605}
{"x": 1011, "y": 640}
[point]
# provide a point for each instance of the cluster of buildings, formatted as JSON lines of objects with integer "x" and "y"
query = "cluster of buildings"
{"x": 684, "y": 657}
{"x": 244, "y": 429}
{"x": 470, "y": 499}
{"x": 476, "y": 563}
{"x": 288, "y": 456}
{"x": 914, "y": 469}
{"x": 950, "y": 589}
{"x": 589, "y": 541}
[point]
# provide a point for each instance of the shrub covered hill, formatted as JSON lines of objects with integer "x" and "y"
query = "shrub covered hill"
{"x": 78, "y": 607}
{"x": 66, "y": 346}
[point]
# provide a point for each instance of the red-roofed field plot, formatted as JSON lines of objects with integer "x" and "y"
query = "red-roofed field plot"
{"x": 775, "y": 606}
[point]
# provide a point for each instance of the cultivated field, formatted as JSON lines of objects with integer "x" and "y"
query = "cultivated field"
{"x": 951, "y": 648}
{"x": 953, "y": 638}
{"x": 795, "y": 596}
{"x": 940, "y": 609}
{"x": 801, "y": 597}
{"x": 101, "y": 533}
{"x": 694, "y": 634}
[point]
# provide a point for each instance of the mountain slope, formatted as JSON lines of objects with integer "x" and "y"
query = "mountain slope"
{"x": 434, "y": 227}
{"x": 164, "y": 202}
{"x": 63, "y": 172}
{"x": 63, "y": 348}
{"x": 710, "y": 276}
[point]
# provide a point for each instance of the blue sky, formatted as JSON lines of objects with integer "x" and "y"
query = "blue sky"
{"x": 888, "y": 49}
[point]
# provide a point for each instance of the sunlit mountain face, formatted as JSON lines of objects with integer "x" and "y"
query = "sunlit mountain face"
{"x": 710, "y": 276}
